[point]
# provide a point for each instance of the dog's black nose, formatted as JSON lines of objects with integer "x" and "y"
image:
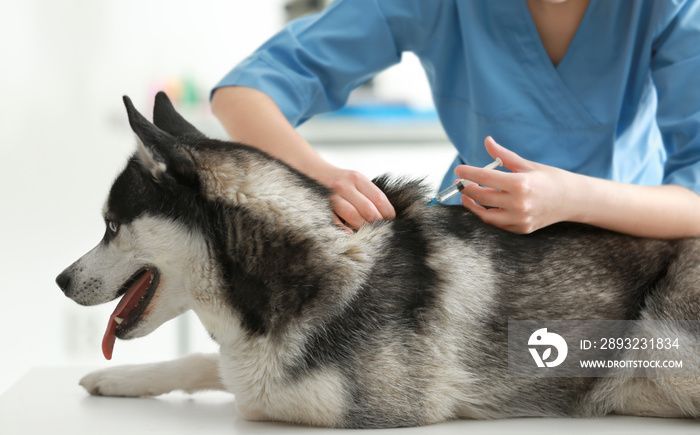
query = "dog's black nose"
{"x": 63, "y": 281}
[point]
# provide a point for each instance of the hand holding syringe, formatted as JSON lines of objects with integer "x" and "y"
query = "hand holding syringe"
{"x": 459, "y": 185}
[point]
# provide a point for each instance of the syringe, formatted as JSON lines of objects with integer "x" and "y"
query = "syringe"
{"x": 459, "y": 185}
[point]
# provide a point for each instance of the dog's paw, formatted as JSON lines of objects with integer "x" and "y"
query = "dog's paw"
{"x": 251, "y": 414}
{"x": 124, "y": 381}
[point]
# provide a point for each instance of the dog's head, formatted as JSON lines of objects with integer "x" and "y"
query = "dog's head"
{"x": 182, "y": 206}
{"x": 149, "y": 255}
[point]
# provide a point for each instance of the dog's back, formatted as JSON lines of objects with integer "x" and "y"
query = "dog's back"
{"x": 424, "y": 337}
{"x": 452, "y": 283}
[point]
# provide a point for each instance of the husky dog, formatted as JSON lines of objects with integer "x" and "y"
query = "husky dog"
{"x": 403, "y": 323}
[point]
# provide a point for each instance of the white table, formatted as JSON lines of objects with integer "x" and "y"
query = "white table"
{"x": 49, "y": 400}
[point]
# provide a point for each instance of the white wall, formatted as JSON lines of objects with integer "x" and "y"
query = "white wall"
{"x": 63, "y": 137}
{"x": 64, "y": 66}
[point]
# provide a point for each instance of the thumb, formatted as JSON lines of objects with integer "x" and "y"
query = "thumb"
{"x": 510, "y": 159}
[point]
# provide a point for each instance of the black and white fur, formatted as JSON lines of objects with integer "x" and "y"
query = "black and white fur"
{"x": 403, "y": 323}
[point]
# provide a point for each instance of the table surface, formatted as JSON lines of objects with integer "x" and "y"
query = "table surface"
{"x": 49, "y": 400}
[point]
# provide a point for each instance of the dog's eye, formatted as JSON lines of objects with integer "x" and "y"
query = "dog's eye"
{"x": 113, "y": 227}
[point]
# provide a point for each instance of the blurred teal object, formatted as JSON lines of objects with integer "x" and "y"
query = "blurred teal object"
{"x": 389, "y": 113}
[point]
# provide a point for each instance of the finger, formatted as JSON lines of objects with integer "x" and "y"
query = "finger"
{"x": 337, "y": 221}
{"x": 484, "y": 195}
{"x": 377, "y": 198}
{"x": 471, "y": 204}
{"x": 486, "y": 177}
{"x": 364, "y": 206}
{"x": 510, "y": 159}
{"x": 500, "y": 218}
{"x": 493, "y": 216}
{"x": 347, "y": 212}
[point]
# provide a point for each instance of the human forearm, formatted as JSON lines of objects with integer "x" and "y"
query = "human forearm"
{"x": 667, "y": 211}
{"x": 251, "y": 117}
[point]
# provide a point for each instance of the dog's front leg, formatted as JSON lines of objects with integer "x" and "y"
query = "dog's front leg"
{"x": 190, "y": 373}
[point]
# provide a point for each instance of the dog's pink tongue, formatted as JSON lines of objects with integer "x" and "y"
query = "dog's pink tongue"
{"x": 129, "y": 301}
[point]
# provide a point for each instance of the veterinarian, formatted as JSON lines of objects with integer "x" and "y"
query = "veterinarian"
{"x": 594, "y": 104}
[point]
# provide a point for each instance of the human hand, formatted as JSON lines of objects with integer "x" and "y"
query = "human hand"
{"x": 533, "y": 196}
{"x": 356, "y": 200}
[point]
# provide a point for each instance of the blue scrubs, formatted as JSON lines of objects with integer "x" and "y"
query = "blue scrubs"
{"x": 623, "y": 104}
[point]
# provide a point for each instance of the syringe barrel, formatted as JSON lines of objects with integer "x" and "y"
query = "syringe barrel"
{"x": 450, "y": 191}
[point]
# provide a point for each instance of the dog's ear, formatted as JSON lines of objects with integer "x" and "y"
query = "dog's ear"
{"x": 166, "y": 118}
{"x": 158, "y": 151}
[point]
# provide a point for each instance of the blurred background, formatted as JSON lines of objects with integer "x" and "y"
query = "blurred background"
{"x": 65, "y": 65}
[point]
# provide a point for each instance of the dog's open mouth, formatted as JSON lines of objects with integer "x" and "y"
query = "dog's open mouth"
{"x": 138, "y": 292}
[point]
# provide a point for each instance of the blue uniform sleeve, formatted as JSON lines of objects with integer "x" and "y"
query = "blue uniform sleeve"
{"x": 312, "y": 65}
{"x": 675, "y": 67}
